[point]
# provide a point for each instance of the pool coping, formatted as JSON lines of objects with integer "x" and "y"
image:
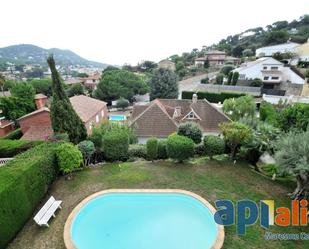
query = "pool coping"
{"x": 67, "y": 227}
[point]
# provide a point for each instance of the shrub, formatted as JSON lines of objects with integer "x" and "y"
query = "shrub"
{"x": 86, "y": 147}
{"x": 219, "y": 79}
{"x": 199, "y": 149}
{"x": 190, "y": 130}
{"x": 205, "y": 80}
{"x": 14, "y": 135}
{"x": 213, "y": 145}
{"x": 211, "y": 97}
{"x": 256, "y": 82}
{"x": 226, "y": 69}
{"x": 179, "y": 148}
{"x": 268, "y": 113}
{"x": 137, "y": 150}
{"x": 235, "y": 78}
{"x": 10, "y": 148}
{"x": 162, "y": 153}
{"x": 152, "y": 148}
{"x": 115, "y": 145}
{"x": 69, "y": 158}
{"x": 122, "y": 103}
{"x": 24, "y": 182}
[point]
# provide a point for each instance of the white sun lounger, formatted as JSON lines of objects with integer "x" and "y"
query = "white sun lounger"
{"x": 47, "y": 211}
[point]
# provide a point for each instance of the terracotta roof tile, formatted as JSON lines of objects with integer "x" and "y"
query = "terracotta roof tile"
{"x": 86, "y": 107}
{"x": 37, "y": 133}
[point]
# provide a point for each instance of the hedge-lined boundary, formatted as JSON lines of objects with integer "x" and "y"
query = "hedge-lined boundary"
{"x": 211, "y": 97}
{"x": 17, "y": 134}
{"x": 10, "y": 148}
{"x": 24, "y": 182}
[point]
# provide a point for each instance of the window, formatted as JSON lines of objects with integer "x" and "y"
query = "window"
{"x": 102, "y": 113}
{"x": 242, "y": 76}
{"x": 264, "y": 68}
{"x": 97, "y": 118}
{"x": 274, "y": 68}
{"x": 266, "y": 77}
{"x": 191, "y": 115}
{"x": 275, "y": 78}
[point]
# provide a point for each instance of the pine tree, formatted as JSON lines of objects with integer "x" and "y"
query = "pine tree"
{"x": 63, "y": 116}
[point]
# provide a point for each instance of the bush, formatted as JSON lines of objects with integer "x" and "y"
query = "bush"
{"x": 69, "y": 158}
{"x": 199, "y": 149}
{"x": 219, "y": 79}
{"x": 205, "y": 80}
{"x": 14, "y": 135}
{"x": 179, "y": 148}
{"x": 162, "y": 152}
{"x": 115, "y": 145}
{"x": 190, "y": 130}
{"x": 268, "y": 113}
{"x": 10, "y": 148}
{"x": 211, "y": 97}
{"x": 152, "y": 148}
{"x": 256, "y": 82}
{"x": 137, "y": 150}
{"x": 213, "y": 145}
{"x": 122, "y": 103}
{"x": 86, "y": 147}
{"x": 235, "y": 78}
{"x": 24, "y": 182}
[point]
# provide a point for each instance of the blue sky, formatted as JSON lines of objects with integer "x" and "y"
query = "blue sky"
{"x": 128, "y": 31}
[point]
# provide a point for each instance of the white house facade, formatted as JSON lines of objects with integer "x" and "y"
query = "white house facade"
{"x": 289, "y": 47}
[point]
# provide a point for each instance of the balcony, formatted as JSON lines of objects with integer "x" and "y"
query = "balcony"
{"x": 272, "y": 79}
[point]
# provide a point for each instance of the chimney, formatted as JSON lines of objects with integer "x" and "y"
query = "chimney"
{"x": 194, "y": 98}
{"x": 177, "y": 112}
{"x": 40, "y": 100}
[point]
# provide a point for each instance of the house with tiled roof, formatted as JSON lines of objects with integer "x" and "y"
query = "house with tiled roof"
{"x": 37, "y": 125}
{"x": 161, "y": 117}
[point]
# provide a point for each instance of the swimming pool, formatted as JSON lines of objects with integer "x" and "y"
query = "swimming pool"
{"x": 115, "y": 117}
{"x": 143, "y": 219}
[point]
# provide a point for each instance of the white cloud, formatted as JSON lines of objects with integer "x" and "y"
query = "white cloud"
{"x": 120, "y": 31}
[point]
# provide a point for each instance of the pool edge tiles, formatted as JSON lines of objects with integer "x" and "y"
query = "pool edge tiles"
{"x": 67, "y": 235}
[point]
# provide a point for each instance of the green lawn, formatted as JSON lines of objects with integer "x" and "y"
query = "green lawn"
{"x": 211, "y": 179}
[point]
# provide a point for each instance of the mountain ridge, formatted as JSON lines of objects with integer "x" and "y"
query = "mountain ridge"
{"x": 31, "y": 54}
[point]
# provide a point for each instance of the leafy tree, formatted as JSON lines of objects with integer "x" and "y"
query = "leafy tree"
{"x": 291, "y": 156}
{"x": 235, "y": 134}
{"x": 190, "y": 130}
{"x": 115, "y": 145}
{"x": 14, "y": 108}
{"x": 241, "y": 107}
{"x": 294, "y": 117}
{"x": 86, "y": 147}
{"x": 110, "y": 68}
{"x": 268, "y": 113}
{"x": 226, "y": 69}
{"x": 147, "y": 66}
{"x": 237, "y": 51}
{"x": 152, "y": 148}
{"x": 69, "y": 158}
{"x": 219, "y": 78}
{"x": 276, "y": 37}
{"x": 76, "y": 89}
{"x": 43, "y": 86}
{"x": 213, "y": 145}
{"x": 122, "y": 103}
{"x": 235, "y": 78}
{"x": 120, "y": 83}
{"x": 24, "y": 91}
{"x": 63, "y": 116}
{"x": 247, "y": 52}
{"x": 163, "y": 83}
{"x": 2, "y": 82}
{"x": 206, "y": 63}
{"x": 179, "y": 148}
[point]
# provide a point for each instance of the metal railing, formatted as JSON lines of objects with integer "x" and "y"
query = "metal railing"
{"x": 4, "y": 160}
{"x": 256, "y": 91}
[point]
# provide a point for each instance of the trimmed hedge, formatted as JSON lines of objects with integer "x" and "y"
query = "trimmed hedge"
{"x": 137, "y": 150}
{"x": 14, "y": 135}
{"x": 162, "y": 152}
{"x": 213, "y": 145}
{"x": 10, "y": 148}
{"x": 152, "y": 148}
{"x": 179, "y": 147}
{"x": 211, "y": 97}
{"x": 115, "y": 145}
{"x": 23, "y": 184}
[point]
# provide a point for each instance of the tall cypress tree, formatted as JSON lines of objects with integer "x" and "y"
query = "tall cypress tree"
{"x": 63, "y": 116}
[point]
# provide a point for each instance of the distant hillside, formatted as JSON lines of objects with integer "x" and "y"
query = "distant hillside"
{"x": 31, "y": 54}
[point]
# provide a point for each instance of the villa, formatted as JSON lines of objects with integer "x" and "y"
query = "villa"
{"x": 288, "y": 47}
{"x": 161, "y": 117}
{"x": 216, "y": 58}
{"x": 37, "y": 125}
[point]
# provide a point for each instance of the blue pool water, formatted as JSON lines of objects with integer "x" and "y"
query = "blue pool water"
{"x": 144, "y": 221}
{"x": 117, "y": 117}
